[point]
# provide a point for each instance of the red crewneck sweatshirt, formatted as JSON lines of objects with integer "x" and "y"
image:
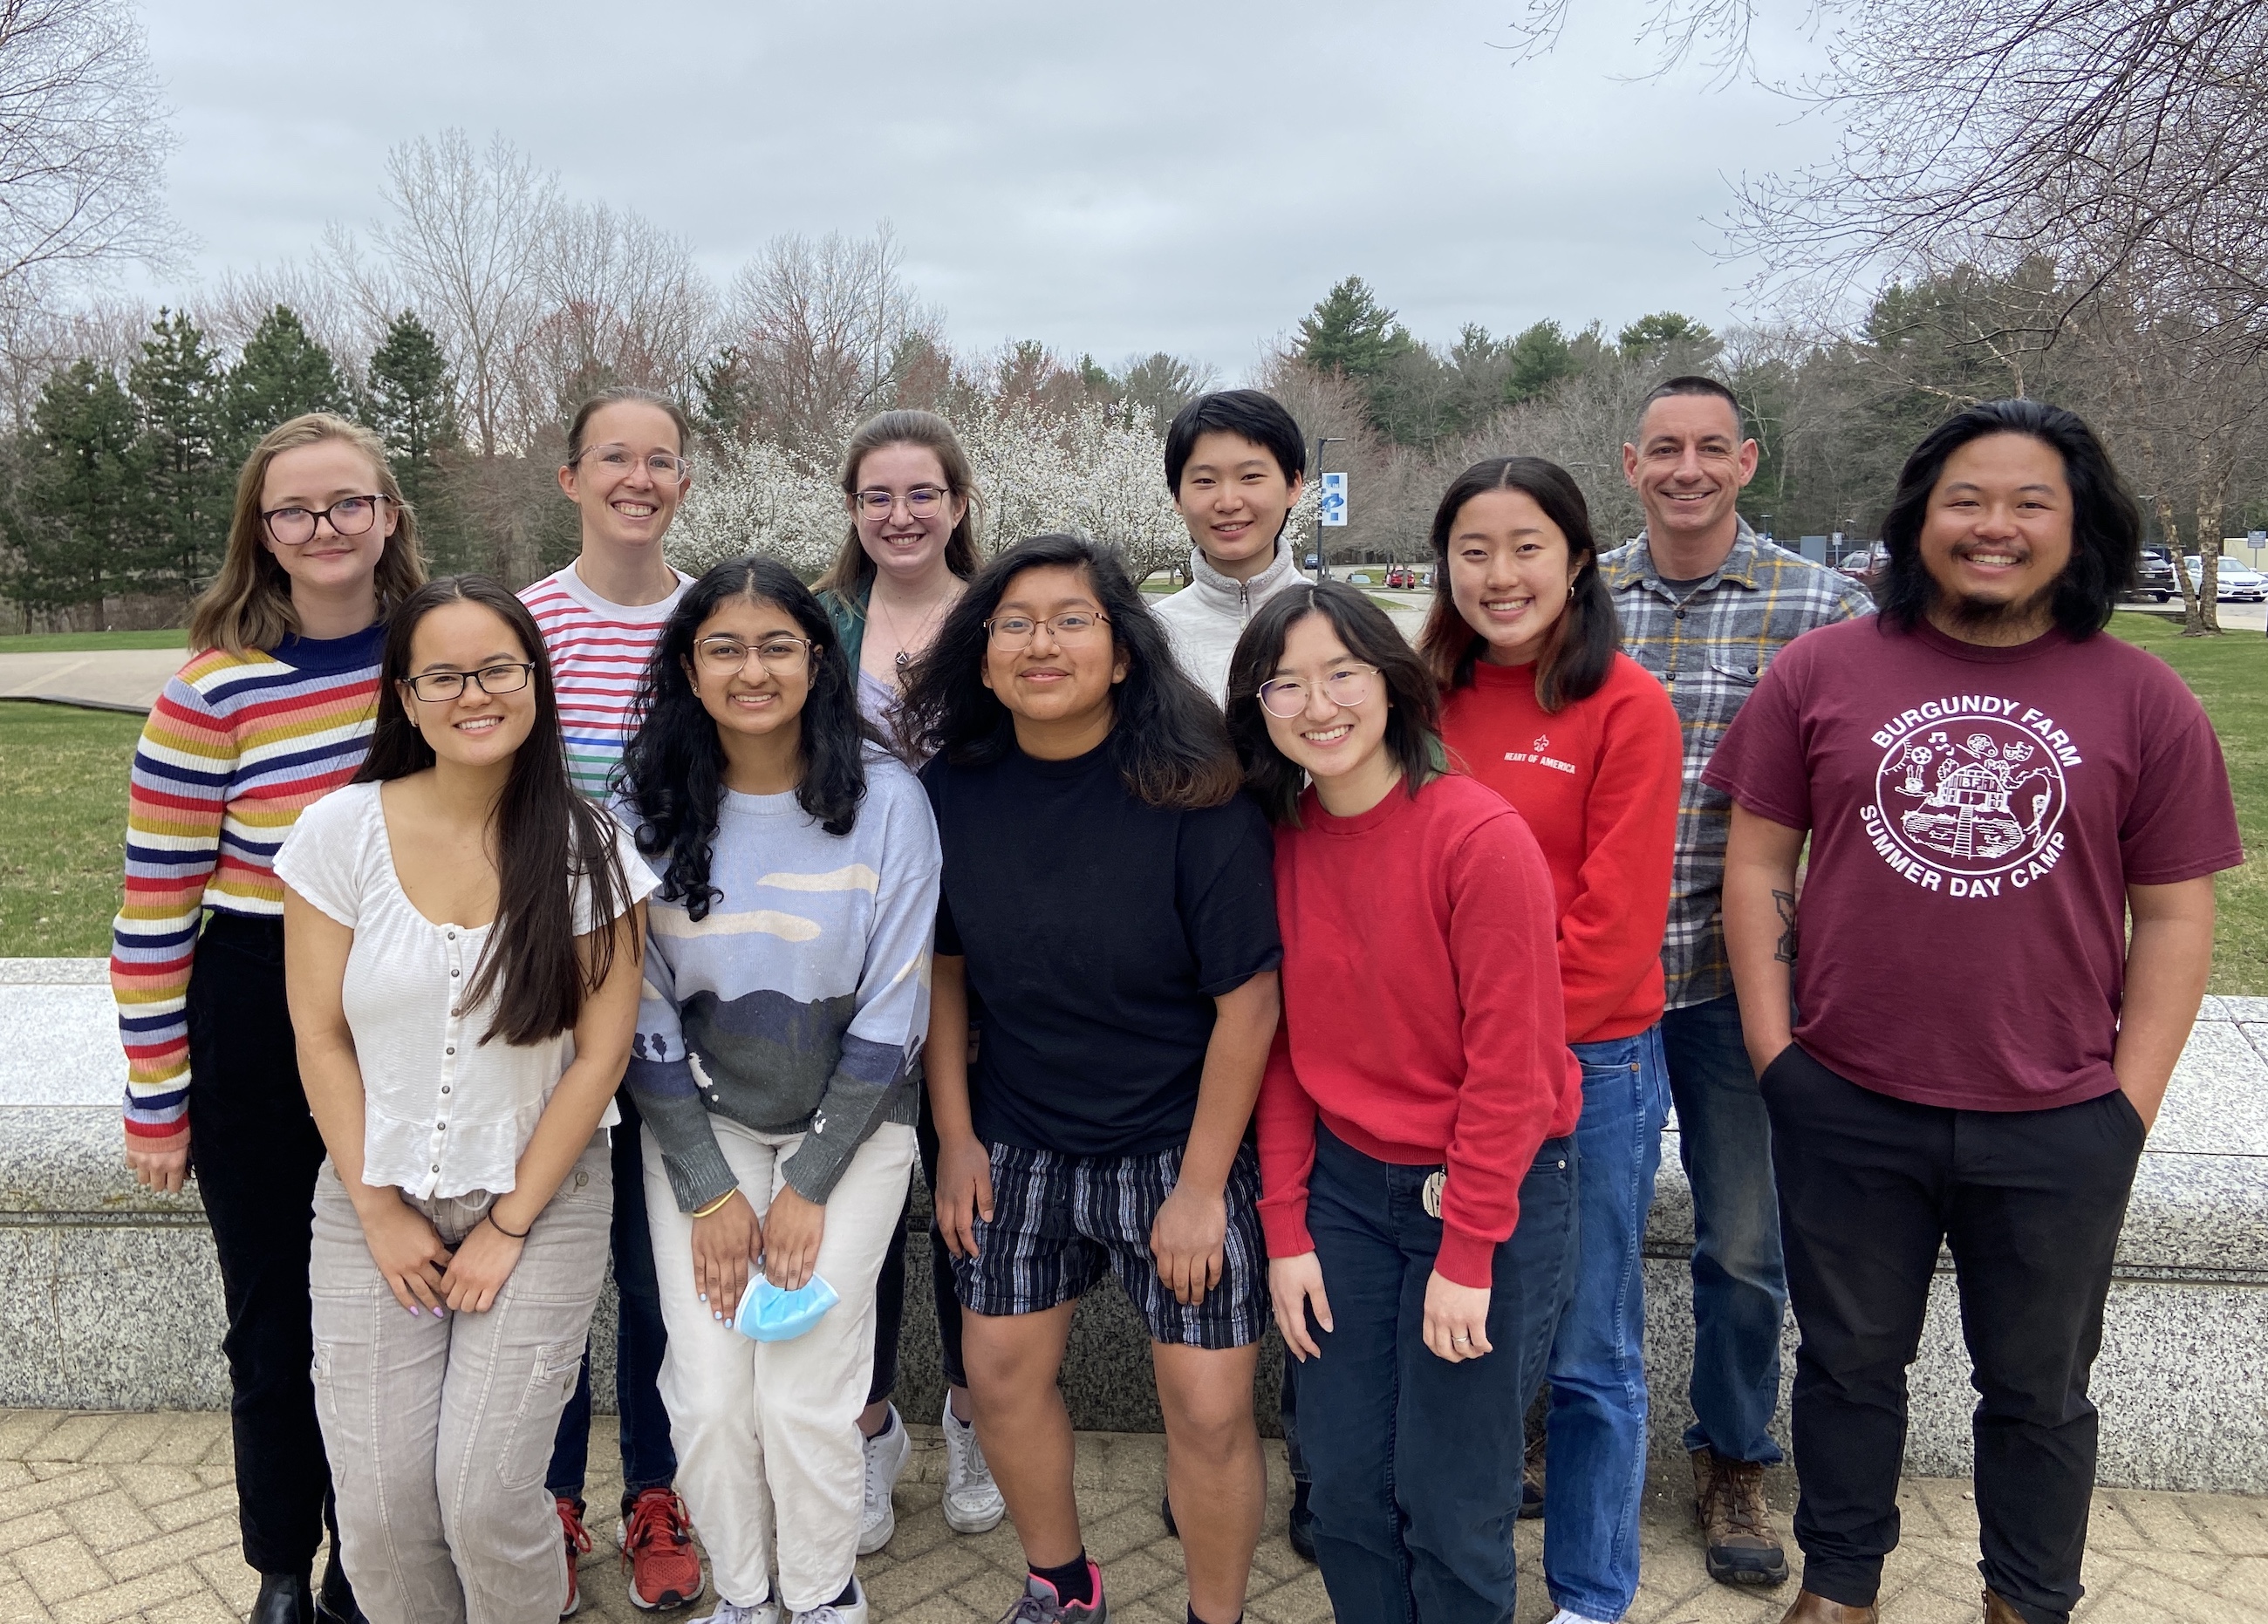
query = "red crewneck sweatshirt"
{"x": 1422, "y": 1010}
{"x": 1598, "y": 783}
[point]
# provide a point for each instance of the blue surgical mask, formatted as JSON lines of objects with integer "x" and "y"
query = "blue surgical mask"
{"x": 768, "y": 1314}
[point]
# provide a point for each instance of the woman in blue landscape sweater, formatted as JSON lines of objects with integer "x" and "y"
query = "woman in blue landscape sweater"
{"x": 786, "y": 997}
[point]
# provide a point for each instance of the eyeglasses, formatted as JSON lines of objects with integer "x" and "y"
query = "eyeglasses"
{"x": 921, "y": 502}
{"x": 1286, "y": 697}
{"x": 433, "y": 687}
{"x": 618, "y": 460}
{"x": 1016, "y": 631}
{"x": 721, "y": 657}
{"x": 350, "y": 516}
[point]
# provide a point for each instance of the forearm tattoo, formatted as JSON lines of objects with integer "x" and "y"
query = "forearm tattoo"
{"x": 1784, "y": 901}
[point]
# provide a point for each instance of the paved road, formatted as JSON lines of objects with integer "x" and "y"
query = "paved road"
{"x": 128, "y": 679}
{"x": 114, "y": 1516}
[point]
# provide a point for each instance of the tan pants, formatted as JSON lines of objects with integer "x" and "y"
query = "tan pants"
{"x": 439, "y": 1429}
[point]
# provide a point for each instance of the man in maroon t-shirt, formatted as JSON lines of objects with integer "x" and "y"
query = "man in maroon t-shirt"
{"x": 1991, "y": 788}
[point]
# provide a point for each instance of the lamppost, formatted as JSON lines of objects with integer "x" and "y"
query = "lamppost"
{"x": 1322, "y": 559}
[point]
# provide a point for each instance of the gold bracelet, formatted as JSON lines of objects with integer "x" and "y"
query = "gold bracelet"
{"x": 719, "y": 1204}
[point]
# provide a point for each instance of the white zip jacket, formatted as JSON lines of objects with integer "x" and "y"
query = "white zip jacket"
{"x": 1207, "y": 617}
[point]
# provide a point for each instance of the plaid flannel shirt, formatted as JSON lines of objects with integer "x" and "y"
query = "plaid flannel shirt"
{"x": 1709, "y": 651}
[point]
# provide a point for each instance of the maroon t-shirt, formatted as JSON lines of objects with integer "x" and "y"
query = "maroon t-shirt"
{"x": 1975, "y": 816}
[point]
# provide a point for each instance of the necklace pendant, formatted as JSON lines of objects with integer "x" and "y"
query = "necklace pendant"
{"x": 903, "y": 659}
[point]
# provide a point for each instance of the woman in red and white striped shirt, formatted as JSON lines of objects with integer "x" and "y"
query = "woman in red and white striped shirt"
{"x": 600, "y": 618}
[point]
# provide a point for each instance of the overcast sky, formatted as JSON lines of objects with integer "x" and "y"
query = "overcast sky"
{"x": 1188, "y": 175}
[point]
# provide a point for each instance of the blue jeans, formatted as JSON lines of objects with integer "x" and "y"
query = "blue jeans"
{"x": 648, "y": 1459}
{"x": 1740, "y": 1283}
{"x": 1415, "y": 1461}
{"x": 1595, "y": 1426}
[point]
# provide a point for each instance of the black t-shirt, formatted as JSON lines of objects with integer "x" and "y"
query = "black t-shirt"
{"x": 1098, "y": 932}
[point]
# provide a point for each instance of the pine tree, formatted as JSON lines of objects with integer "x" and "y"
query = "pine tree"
{"x": 1351, "y": 332}
{"x": 84, "y": 511}
{"x": 412, "y": 404}
{"x": 283, "y": 373}
{"x": 176, "y": 386}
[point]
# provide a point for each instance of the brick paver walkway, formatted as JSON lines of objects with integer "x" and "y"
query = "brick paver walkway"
{"x": 114, "y": 1517}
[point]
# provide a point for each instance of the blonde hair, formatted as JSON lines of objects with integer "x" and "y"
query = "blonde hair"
{"x": 248, "y": 605}
{"x": 852, "y": 571}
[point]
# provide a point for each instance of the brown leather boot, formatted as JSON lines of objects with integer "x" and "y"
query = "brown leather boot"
{"x": 1810, "y": 1609}
{"x": 1999, "y": 1612}
{"x": 1735, "y": 1523}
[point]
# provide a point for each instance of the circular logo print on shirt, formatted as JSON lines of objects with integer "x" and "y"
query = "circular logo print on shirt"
{"x": 1970, "y": 794}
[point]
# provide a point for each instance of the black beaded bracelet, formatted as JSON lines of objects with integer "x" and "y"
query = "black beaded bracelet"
{"x": 490, "y": 1215}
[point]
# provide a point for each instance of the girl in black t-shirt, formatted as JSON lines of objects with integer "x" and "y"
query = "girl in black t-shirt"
{"x": 1109, "y": 900}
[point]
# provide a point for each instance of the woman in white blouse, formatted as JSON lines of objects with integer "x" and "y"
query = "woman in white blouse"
{"x": 461, "y": 945}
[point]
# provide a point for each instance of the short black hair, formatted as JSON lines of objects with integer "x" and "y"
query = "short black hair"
{"x": 2106, "y": 523}
{"x": 1690, "y": 383}
{"x": 1413, "y": 721}
{"x": 1257, "y": 416}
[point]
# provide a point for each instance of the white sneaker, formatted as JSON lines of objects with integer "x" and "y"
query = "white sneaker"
{"x": 887, "y": 1454}
{"x": 733, "y": 1612}
{"x": 972, "y": 1499}
{"x": 1565, "y": 1617}
{"x": 853, "y": 1612}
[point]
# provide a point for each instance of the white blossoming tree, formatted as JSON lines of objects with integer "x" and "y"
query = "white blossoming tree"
{"x": 1095, "y": 470}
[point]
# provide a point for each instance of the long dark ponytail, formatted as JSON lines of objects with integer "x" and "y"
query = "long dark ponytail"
{"x": 673, "y": 774}
{"x": 544, "y": 831}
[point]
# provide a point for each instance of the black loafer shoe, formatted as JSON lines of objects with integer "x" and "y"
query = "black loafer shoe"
{"x": 1300, "y": 1527}
{"x": 284, "y": 1598}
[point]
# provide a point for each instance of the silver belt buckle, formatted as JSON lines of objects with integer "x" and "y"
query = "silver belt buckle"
{"x": 1431, "y": 1193}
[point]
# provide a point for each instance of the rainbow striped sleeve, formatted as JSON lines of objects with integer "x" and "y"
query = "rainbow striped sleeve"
{"x": 235, "y": 748}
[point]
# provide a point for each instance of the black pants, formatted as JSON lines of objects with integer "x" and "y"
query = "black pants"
{"x": 890, "y": 1285}
{"x": 2030, "y": 1203}
{"x": 256, "y": 1150}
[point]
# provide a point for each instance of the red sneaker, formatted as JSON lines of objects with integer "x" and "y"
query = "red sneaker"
{"x": 656, "y": 1541}
{"x": 578, "y": 1540}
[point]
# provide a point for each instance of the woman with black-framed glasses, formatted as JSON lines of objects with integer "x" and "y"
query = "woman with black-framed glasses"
{"x": 786, "y": 1002}
{"x": 461, "y": 939}
{"x": 272, "y": 711}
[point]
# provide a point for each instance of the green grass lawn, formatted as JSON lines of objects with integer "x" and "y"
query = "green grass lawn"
{"x": 62, "y": 828}
{"x": 2229, "y": 673}
{"x": 62, "y": 807}
{"x": 79, "y": 642}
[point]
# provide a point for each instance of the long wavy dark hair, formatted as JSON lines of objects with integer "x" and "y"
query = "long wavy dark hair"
{"x": 1413, "y": 722}
{"x": 545, "y": 833}
{"x": 1170, "y": 743}
{"x": 671, "y": 776}
{"x": 1580, "y": 651}
{"x": 2106, "y": 525}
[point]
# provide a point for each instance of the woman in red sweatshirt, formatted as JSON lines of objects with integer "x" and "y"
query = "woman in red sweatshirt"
{"x": 1544, "y": 710}
{"x": 1419, "y": 1181}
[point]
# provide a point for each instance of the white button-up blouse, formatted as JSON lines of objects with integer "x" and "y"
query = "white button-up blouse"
{"x": 444, "y": 1114}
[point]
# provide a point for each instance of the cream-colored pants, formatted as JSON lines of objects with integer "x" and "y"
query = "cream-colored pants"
{"x": 767, "y": 1433}
{"x": 438, "y": 1431}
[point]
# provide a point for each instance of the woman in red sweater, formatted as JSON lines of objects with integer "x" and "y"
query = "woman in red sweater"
{"x": 1417, "y": 1176}
{"x": 1544, "y": 710}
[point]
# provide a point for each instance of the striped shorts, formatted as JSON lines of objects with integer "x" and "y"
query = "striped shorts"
{"x": 1059, "y": 1222}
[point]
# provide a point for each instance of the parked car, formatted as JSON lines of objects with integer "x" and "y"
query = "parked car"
{"x": 1867, "y": 564}
{"x": 2155, "y": 577}
{"x": 1400, "y": 576}
{"x": 2233, "y": 583}
{"x": 1358, "y": 579}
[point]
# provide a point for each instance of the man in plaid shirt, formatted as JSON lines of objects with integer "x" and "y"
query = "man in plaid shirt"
{"x": 1706, "y": 605}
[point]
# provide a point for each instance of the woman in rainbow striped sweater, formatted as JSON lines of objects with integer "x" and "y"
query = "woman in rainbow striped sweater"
{"x": 273, "y": 711}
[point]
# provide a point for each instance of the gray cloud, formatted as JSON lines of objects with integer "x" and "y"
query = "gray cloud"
{"x": 1188, "y": 175}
